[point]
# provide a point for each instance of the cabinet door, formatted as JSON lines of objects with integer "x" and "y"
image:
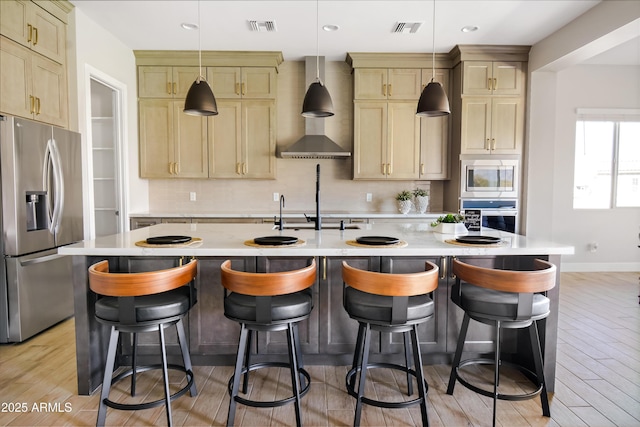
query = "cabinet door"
{"x": 225, "y": 81}
{"x": 477, "y": 77}
{"x": 370, "y": 83}
{"x": 404, "y": 83}
{"x": 258, "y": 83}
{"x": 225, "y": 131}
{"x": 15, "y": 79}
{"x": 476, "y": 125}
{"x": 48, "y": 35}
{"x": 190, "y": 142}
{"x": 258, "y": 139}
{"x": 338, "y": 332}
{"x": 181, "y": 80}
{"x": 508, "y": 77}
{"x": 50, "y": 89}
{"x": 155, "y": 82}
{"x": 507, "y": 125}
{"x": 403, "y": 141}
{"x": 156, "y": 138}
{"x": 370, "y": 140}
{"x": 14, "y": 17}
{"x": 434, "y": 135}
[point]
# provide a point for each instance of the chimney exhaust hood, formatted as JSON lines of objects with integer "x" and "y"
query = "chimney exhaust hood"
{"x": 314, "y": 144}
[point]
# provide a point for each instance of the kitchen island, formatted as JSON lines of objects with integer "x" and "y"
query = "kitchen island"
{"x": 328, "y": 336}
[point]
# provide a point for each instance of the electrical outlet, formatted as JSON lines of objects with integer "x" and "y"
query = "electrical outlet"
{"x": 192, "y": 196}
{"x": 369, "y": 197}
{"x": 276, "y": 197}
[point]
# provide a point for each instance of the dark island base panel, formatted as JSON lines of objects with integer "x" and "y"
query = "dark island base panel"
{"x": 327, "y": 337}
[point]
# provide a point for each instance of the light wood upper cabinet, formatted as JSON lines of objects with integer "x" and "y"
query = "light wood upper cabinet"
{"x": 386, "y": 140}
{"x": 493, "y": 78}
{"x": 172, "y": 144}
{"x": 166, "y": 82}
{"x": 492, "y": 125}
{"x": 33, "y": 27}
{"x": 242, "y": 82}
{"x": 383, "y": 83}
{"x": 32, "y": 86}
{"x": 434, "y": 135}
{"x": 242, "y": 140}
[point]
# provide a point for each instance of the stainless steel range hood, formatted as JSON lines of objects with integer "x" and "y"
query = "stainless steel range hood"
{"x": 314, "y": 144}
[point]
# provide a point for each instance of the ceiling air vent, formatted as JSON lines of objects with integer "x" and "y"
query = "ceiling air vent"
{"x": 262, "y": 26}
{"x": 406, "y": 27}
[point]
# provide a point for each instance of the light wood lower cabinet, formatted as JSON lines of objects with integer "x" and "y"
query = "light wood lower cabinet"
{"x": 172, "y": 144}
{"x": 241, "y": 140}
{"x": 32, "y": 86}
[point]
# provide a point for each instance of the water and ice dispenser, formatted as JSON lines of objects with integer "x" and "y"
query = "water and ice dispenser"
{"x": 37, "y": 218}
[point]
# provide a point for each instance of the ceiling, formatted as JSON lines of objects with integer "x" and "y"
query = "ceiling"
{"x": 364, "y": 26}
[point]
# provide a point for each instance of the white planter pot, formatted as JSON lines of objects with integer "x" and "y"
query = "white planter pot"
{"x": 422, "y": 203}
{"x": 451, "y": 228}
{"x": 404, "y": 206}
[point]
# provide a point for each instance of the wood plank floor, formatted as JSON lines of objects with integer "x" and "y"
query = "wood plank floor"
{"x": 598, "y": 379}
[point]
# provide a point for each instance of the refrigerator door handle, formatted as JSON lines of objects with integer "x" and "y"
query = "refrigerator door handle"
{"x": 52, "y": 160}
{"x": 40, "y": 260}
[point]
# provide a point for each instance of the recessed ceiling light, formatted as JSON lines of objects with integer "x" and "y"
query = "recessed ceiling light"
{"x": 469, "y": 29}
{"x": 330, "y": 27}
{"x": 189, "y": 26}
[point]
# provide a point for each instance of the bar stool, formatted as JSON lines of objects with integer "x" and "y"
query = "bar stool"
{"x": 143, "y": 302}
{"x": 268, "y": 302}
{"x": 394, "y": 303}
{"x": 502, "y": 299}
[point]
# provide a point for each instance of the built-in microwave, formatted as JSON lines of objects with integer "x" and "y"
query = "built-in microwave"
{"x": 493, "y": 178}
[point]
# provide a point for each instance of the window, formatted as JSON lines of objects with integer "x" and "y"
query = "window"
{"x": 607, "y": 160}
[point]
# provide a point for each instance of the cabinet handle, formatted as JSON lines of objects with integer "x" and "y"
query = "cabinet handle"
{"x": 389, "y": 172}
{"x": 37, "y": 106}
{"x": 32, "y": 101}
{"x": 170, "y": 168}
{"x": 384, "y": 89}
{"x": 389, "y": 89}
{"x": 324, "y": 268}
{"x": 238, "y": 168}
{"x": 493, "y": 143}
{"x": 35, "y": 36}
{"x": 237, "y": 88}
{"x": 177, "y": 168}
{"x": 169, "y": 88}
{"x": 495, "y": 84}
{"x": 421, "y": 168}
{"x": 244, "y": 88}
{"x": 244, "y": 168}
{"x": 30, "y": 28}
{"x": 443, "y": 268}
{"x": 174, "y": 88}
{"x": 486, "y": 145}
{"x": 384, "y": 168}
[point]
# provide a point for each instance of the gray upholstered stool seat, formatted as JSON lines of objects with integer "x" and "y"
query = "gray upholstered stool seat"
{"x": 243, "y": 308}
{"x": 377, "y": 309}
{"x": 149, "y": 307}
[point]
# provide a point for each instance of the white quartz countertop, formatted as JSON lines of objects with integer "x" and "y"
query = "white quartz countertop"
{"x": 290, "y": 215}
{"x": 229, "y": 240}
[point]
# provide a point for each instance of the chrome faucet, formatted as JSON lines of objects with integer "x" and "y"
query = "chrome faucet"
{"x": 280, "y": 223}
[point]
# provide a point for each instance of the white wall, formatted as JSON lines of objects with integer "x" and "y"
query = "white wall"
{"x": 101, "y": 52}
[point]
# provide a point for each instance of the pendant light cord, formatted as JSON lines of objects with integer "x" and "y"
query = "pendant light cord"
{"x": 317, "y": 42}
{"x": 433, "y": 48}
{"x": 200, "y": 77}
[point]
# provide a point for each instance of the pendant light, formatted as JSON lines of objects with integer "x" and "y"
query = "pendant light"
{"x": 317, "y": 101}
{"x": 433, "y": 100}
{"x": 200, "y": 100}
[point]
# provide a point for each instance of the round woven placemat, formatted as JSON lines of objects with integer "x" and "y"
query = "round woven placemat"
{"x": 473, "y": 245}
{"x": 400, "y": 244}
{"x": 300, "y": 242}
{"x": 194, "y": 241}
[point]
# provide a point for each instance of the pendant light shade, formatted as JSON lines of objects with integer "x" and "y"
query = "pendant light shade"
{"x": 200, "y": 100}
{"x": 317, "y": 101}
{"x": 433, "y": 100}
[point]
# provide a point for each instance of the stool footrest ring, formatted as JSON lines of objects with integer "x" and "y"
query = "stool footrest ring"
{"x": 511, "y": 397}
{"x": 382, "y": 403}
{"x": 270, "y": 403}
{"x": 155, "y": 403}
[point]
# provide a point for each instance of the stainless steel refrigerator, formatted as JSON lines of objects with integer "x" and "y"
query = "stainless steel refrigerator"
{"x": 41, "y": 191}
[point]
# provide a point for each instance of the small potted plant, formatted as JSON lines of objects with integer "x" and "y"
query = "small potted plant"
{"x": 404, "y": 201}
{"x": 421, "y": 199}
{"x": 450, "y": 224}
